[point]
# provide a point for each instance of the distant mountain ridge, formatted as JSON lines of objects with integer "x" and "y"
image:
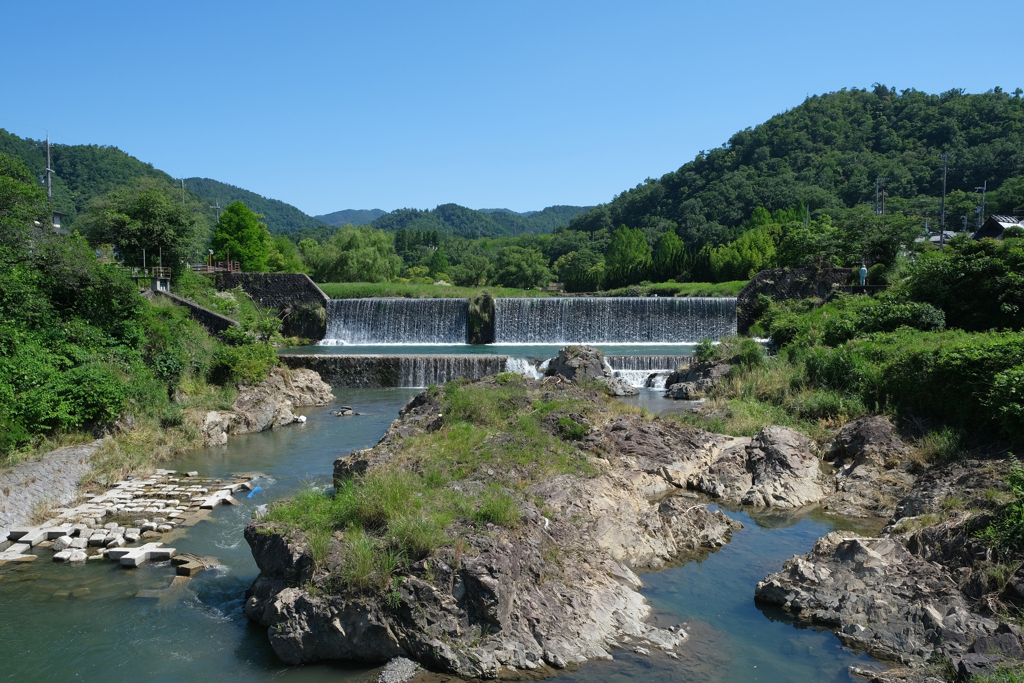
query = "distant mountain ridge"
{"x": 85, "y": 172}
{"x": 280, "y": 217}
{"x": 351, "y": 216}
{"x": 453, "y": 219}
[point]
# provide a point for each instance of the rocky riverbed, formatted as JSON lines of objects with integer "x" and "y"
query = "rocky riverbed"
{"x": 557, "y": 589}
{"x": 560, "y": 587}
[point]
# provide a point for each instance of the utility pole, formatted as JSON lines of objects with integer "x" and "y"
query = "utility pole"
{"x": 49, "y": 171}
{"x": 942, "y": 208}
{"x": 183, "y": 191}
{"x": 878, "y": 184}
{"x": 218, "y": 210}
{"x": 981, "y": 214}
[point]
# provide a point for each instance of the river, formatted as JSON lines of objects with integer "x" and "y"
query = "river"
{"x": 85, "y": 623}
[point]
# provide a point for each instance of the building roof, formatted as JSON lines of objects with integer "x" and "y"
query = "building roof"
{"x": 994, "y": 226}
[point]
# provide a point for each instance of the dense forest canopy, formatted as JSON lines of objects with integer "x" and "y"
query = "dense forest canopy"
{"x": 827, "y": 154}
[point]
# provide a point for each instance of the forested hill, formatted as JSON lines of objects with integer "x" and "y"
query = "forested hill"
{"x": 827, "y": 153}
{"x": 279, "y": 216}
{"x": 453, "y": 219}
{"x": 351, "y": 216}
{"x": 80, "y": 172}
{"x": 84, "y": 172}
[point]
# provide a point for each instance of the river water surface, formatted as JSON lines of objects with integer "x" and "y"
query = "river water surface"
{"x": 62, "y": 623}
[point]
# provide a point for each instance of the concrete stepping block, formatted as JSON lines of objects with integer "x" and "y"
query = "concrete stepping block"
{"x": 15, "y": 557}
{"x": 62, "y": 543}
{"x": 70, "y": 555}
{"x": 97, "y": 539}
{"x": 220, "y": 497}
{"x": 136, "y": 557}
{"x": 79, "y": 543}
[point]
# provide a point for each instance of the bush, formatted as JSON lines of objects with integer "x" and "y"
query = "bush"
{"x": 878, "y": 274}
{"x": 888, "y": 316}
{"x": 248, "y": 363}
{"x": 1007, "y": 398}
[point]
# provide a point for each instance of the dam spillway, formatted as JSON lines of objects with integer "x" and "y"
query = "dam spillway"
{"x": 396, "y": 321}
{"x": 372, "y": 370}
{"x": 613, "y": 320}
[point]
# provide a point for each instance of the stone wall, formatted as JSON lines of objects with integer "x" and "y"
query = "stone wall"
{"x": 50, "y": 481}
{"x": 295, "y": 296}
{"x": 213, "y": 322}
{"x": 275, "y": 290}
{"x": 780, "y": 284}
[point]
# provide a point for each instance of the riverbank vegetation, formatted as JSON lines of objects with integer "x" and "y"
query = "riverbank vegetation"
{"x": 82, "y": 352}
{"x": 941, "y": 346}
{"x": 496, "y": 437}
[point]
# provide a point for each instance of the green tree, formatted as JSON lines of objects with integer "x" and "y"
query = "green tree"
{"x": 628, "y": 259}
{"x": 353, "y": 254}
{"x": 240, "y": 236}
{"x": 283, "y": 256}
{"x": 522, "y": 268}
{"x": 438, "y": 263}
{"x": 743, "y": 258}
{"x": 144, "y": 221}
{"x": 24, "y": 212}
{"x": 580, "y": 271}
{"x": 669, "y": 257}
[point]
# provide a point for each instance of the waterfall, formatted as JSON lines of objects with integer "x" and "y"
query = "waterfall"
{"x": 645, "y": 371}
{"x": 423, "y": 371}
{"x": 523, "y": 367}
{"x": 396, "y": 321}
{"x": 613, "y": 320}
{"x": 647, "y": 362}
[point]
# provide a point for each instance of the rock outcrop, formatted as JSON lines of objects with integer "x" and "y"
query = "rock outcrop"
{"x": 927, "y": 588}
{"x": 695, "y": 381}
{"x": 775, "y": 468}
{"x": 267, "y": 405}
{"x": 882, "y": 599}
{"x": 557, "y": 590}
{"x": 872, "y": 468}
{"x": 583, "y": 363}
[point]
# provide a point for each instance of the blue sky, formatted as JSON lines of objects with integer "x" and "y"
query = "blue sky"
{"x": 332, "y": 105}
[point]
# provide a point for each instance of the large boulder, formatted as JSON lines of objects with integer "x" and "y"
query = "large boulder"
{"x": 695, "y": 381}
{"x": 868, "y": 441}
{"x": 583, "y": 362}
{"x": 574, "y": 362}
{"x": 881, "y": 599}
{"x": 267, "y": 405}
{"x": 784, "y": 472}
{"x": 872, "y": 472}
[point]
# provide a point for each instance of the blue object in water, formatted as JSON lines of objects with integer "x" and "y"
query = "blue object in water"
{"x": 253, "y": 491}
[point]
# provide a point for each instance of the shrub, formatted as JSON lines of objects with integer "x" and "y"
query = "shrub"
{"x": 888, "y": 316}
{"x": 1007, "y": 398}
{"x": 248, "y": 363}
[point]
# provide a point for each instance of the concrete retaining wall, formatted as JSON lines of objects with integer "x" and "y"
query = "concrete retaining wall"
{"x": 395, "y": 371}
{"x": 275, "y": 290}
{"x": 51, "y": 480}
{"x": 213, "y": 322}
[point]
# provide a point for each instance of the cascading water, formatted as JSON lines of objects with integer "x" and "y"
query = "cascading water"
{"x": 423, "y": 371}
{"x": 647, "y": 362}
{"x": 645, "y": 371}
{"x": 524, "y": 367}
{"x": 613, "y": 320}
{"x": 396, "y": 321}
